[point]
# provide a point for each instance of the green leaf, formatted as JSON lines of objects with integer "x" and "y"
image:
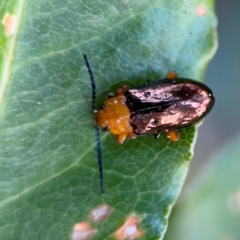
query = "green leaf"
{"x": 211, "y": 208}
{"x": 49, "y": 174}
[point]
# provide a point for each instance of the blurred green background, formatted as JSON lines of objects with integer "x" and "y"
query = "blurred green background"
{"x": 209, "y": 205}
{"x": 223, "y": 77}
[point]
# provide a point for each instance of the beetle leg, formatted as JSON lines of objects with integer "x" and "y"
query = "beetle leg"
{"x": 150, "y": 80}
{"x": 132, "y": 135}
{"x": 173, "y": 136}
{"x": 106, "y": 129}
{"x": 122, "y": 138}
{"x": 110, "y": 95}
{"x": 172, "y": 75}
{"x": 121, "y": 90}
{"x": 157, "y": 135}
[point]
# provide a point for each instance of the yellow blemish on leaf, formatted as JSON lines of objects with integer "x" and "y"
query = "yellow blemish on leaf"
{"x": 100, "y": 213}
{"x": 129, "y": 230}
{"x": 82, "y": 231}
{"x": 10, "y": 24}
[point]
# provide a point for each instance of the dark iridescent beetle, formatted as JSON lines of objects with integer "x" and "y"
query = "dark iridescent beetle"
{"x": 165, "y": 105}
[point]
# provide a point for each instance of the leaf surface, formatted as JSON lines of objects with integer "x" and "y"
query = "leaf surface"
{"x": 49, "y": 174}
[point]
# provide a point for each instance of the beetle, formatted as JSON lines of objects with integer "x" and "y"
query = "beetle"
{"x": 166, "y": 105}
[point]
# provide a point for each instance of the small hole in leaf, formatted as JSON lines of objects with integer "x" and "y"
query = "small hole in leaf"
{"x": 100, "y": 213}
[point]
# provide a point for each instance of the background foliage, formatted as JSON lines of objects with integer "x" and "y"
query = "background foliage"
{"x": 49, "y": 173}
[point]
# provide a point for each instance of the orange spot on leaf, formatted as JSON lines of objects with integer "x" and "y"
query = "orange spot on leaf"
{"x": 100, "y": 213}
{"x": 129, "y": 230}
{"x": 10, "y": 24}
{"x": 201, "y": 10}
{"x": 83, "y": 231}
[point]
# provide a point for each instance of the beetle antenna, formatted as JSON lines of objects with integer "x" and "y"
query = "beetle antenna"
{"x": 98, "y": 129}
{"x": 92, "y": 82}
{"x": 99, "y": 152}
